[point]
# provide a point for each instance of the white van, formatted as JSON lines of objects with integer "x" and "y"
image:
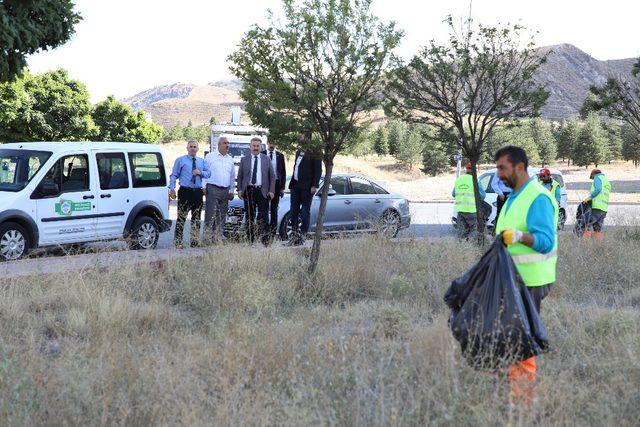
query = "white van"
{"x": 61, "y": 193}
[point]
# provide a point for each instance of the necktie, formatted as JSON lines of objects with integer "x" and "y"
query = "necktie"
{"x": 193, "y": 166}
{"x": 254, "y": 174}
{"x": 271, "y": 157}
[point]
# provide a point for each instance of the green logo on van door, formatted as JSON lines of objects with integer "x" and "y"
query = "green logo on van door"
{"x": 68, "y": 207}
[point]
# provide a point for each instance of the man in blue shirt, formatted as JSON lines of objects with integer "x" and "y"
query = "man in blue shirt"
{"x": 189, "y": 170}
{"x": 550, "y": 184}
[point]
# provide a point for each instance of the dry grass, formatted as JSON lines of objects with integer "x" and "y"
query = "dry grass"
{"x": 245, "y": 338}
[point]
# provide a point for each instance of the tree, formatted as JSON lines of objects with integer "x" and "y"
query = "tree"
{"x": 591, "y": 146}
{"x": 395, "y": 131}
{"x": 567, "y": 139}
{"x": 619, "y": 98}
{"x": 117, "y": 122}
{"x": 28, "y": 26}
{"x": 45, "y": 107}
{"x": 480, "y": 78}
{"x": 435, "y": 158}
{"x": 380, "y": 145}
{"x": 614, "y": 141}
{"x": 176, "y": 133}
{"x": 316, "y": 74}
{"x": 630, "y": 145}
{"x": 409, "y": 150}
{"x": 543, "y": 140}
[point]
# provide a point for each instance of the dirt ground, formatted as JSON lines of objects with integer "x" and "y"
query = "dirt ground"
{"x": 416, "y": 186}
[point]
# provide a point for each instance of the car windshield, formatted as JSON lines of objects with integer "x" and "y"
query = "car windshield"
{"x": 17, "y": 167}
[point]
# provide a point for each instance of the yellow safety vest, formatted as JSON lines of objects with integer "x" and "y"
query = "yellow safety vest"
{"x": 536, "y": 269}
{"x": 601, "y": 201}
{"x": 465, "y": 199}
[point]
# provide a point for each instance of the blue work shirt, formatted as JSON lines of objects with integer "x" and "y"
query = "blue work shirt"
{"x": 558, "y": 194}
{"x": 540, "y": 220}
{"x": 597, "y": 186}
{"x": 480, "y": 190}
{"x": 499, "y": 186}
{"x": 182, "y": 171}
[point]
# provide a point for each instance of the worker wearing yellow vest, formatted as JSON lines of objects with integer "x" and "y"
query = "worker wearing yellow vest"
{"x": 465, "y": 202}
{"x": 550, "y": 184}
{"x": 528, "y": 224}
{"x": 599, "y": 199}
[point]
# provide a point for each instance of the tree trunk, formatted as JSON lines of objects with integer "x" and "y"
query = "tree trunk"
{"x": 317, "y": 239}
{"x": 476, "y": 195}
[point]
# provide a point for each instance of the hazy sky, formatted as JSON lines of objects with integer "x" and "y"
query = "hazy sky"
{"x": 124, "y": 46}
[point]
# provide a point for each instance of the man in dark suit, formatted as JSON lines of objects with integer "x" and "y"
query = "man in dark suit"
{"x": 307, "y": 170}
{"x": 278, "y": 163}
{"x": 256, "y": 185}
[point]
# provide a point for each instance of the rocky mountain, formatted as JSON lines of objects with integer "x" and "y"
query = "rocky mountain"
{"x": 567, "y": 75}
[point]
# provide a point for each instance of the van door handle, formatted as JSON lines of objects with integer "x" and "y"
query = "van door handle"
{"x": 378, "y": 201}
{"x": 88, "y": 197}
{"x": 104, "y": 196}
{"x": 347, "y": 202}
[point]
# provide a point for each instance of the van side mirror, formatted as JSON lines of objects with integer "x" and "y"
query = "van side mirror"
{"x": 330, "y": 192}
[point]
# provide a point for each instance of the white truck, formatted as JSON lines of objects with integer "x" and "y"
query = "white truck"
{"x": 238, "y": 135}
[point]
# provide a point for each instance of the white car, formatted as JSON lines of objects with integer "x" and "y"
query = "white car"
{"x": 492, "y": 197}
{"x": 64, "y": 193}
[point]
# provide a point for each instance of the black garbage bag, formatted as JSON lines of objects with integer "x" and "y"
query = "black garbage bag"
{"x": 493, "y": 315}
{"x": 583, "y": 216}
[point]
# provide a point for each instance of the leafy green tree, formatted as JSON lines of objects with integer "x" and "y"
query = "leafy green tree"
{"x": 315, "y": 75}
{"x": 614, "y": 141}
{"x": 176, "y": 133}
{"x": 395, "y": 133}
{"x": 567, "y": 139}
{"x": 543, "y": 140}
{"x": 45, "y": 107}
{"x": 482, "y": 77}
{"x": 409, "y": 150}
{"x": 591, "y": 146}
{"x": 380, "y": 144}
{"x": 28, "y": 26}
{"x": 630, "y": 144}
{"x": 435, "y": 159}
{"x": 117, "y": 122}
{"x": 619, "y": 98}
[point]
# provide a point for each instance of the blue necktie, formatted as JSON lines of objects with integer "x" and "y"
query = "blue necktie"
{"x": 193, "y": 166}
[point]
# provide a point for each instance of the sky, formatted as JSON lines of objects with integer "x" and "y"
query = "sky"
{"x": 122, "y": 47}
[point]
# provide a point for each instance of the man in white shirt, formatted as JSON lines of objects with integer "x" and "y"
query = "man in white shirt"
{"x": 218, "y": 189}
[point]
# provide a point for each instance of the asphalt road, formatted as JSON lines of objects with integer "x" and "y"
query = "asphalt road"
{"x": 434, "y": 220}
{"x": 428, "y": 220}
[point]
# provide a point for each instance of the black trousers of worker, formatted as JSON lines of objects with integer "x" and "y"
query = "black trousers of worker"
{"x": 189, "y": 200}
{"x": 273, "y": 211}
{"x": 257, "y": 204}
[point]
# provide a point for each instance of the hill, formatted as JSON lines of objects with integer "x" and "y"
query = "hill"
{"x": 567, "y": 75}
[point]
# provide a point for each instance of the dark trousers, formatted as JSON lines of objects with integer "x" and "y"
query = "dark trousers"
{"x": 301, "y": 198}
{"x": 273, "y": 211}
{"x": 256, "y": 203}
{"x": 467, "y": 225}
{"x": 189, "y": 200}
{"x": 499, "y": 205}
{"x": 596, "y": 222}
{"x": 538, "y": 293}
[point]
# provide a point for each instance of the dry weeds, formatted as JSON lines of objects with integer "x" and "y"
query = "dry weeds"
{"x": 246, "y": 338}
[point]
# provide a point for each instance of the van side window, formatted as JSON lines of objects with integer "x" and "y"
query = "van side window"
{"x": 70, "y": 174}
{"x": 147, "y": 170}
{"x": 112, "y": 169}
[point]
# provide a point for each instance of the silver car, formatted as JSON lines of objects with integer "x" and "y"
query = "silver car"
{"x": 355, "y": 204}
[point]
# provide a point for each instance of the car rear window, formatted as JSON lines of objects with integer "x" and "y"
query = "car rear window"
{"x": 147, "y": 170}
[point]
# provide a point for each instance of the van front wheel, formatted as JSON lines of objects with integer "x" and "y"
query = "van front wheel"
{"x": 144, "y": 234}
{"x": 14, "y": 241}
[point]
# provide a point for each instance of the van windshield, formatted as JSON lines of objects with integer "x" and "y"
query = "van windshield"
{"x": 17, "y": 167}
{"x": 240, "y": 149}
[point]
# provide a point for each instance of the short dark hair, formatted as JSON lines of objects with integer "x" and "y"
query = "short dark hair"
{"x": 515, "y": 154}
